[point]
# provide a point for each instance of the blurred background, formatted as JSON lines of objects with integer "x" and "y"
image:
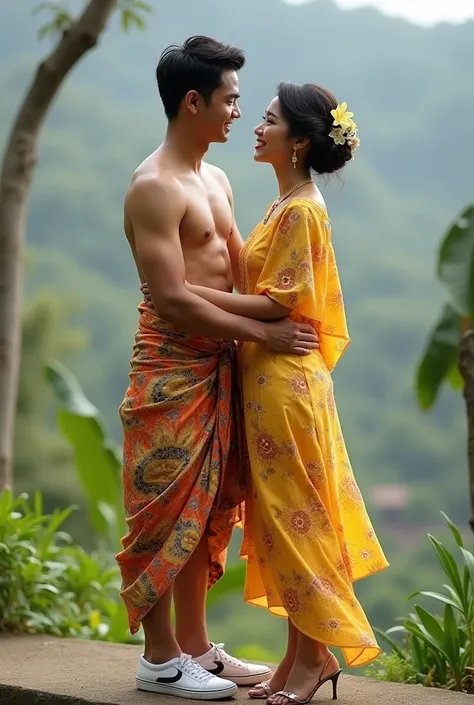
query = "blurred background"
{"x": 405, "y": 69}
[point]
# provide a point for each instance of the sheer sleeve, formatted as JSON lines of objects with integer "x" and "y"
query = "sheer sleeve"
{"x": 300, "y": 273}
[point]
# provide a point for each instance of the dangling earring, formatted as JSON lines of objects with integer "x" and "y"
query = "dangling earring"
{"x": 294, "y": 158}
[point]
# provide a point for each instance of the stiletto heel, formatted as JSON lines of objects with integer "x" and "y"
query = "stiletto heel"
{"x": 334, "y": 680}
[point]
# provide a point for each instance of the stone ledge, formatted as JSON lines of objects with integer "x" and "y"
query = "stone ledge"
{"x": 42, "y": 670}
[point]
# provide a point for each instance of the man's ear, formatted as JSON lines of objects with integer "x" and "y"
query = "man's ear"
{"x": 191, "y": 101}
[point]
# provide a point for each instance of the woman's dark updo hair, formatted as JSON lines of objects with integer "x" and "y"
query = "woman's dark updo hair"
{"x": 307, "y": 110}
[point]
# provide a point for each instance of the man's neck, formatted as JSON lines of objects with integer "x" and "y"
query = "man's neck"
{"x": 187, "y": 151}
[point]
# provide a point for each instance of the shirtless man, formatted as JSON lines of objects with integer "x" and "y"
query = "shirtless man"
{"x": 179, "y": 221}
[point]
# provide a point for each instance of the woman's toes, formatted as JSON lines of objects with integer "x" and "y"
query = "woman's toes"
{"x": 279, "y": 700}
{"x": 256, "y": 692}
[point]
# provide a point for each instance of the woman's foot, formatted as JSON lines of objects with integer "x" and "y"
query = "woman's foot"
{"x": 276, "y": 682}
{"x": 304, "y": 678}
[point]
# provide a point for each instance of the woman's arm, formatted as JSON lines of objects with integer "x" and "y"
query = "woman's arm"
{"x": 260, "y": 307}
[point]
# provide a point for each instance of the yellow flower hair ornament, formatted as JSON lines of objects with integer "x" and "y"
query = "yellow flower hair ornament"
{"x": 344, "y": 129}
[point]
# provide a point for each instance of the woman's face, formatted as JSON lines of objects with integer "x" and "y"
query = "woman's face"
{"x": 274, "y": 145}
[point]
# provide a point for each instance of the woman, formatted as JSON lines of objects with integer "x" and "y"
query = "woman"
{"x": 307, "y": 534}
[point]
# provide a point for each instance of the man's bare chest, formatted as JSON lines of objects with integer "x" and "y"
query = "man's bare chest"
{"x": 208, "y": 216}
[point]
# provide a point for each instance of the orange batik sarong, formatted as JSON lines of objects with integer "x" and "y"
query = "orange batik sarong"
{"x": 181, "y": 474}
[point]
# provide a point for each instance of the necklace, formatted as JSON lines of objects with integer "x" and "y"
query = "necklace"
{"x": 279, "y": 200}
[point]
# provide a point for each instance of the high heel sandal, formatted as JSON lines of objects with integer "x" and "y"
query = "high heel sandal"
{"x": 334, "y": 677}
{"x": 267, "y": 691}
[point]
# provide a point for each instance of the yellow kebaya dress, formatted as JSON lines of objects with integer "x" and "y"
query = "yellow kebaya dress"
{"x": 307, "y": 535}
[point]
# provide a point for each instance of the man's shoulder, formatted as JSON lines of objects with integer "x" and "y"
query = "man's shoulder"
{"x": 153, "y": 185}
{"x": 219, "y": 174}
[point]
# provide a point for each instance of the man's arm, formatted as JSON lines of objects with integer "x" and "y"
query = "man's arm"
{"x": 235, "y": 242}
{"x": 156, "y": 210}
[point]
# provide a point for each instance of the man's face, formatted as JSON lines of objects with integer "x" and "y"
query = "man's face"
{"x": 216, "y": 117}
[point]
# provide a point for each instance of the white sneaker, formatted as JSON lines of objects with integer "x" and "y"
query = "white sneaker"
{"x": 219, "y": 663}
{"x": 182, "y": 677}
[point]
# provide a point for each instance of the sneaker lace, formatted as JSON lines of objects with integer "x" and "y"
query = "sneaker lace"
{"x": 224, "y": 656}
{"x": 193, "y": 669}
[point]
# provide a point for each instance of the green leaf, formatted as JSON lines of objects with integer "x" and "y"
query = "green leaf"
{"x": 68, "y": 391}
{"x": 138, "y": 21}
{"x": 28, "y": 546}
{"x": 418, "y": 653}
{"x": 393, "y": 644}
{"x": 114, "y": 521}
{"x": 469, "y": 562}
{"x": 398, "y": 629}
{"x": 454, "y": 530}
{"x": 431, "y": 625}
{"x": 453, "y": 594}
{"x": 440, "y": 597}
{"x": 118, "y": 625}
{"x": 126, "y": 19}
{"x": 131, "y": 14}
{"x": 451, "y": 635}
{"x": 450, "y": 568}
{"x": 439, "y": 357}
{"x": 48, "y": 588}
{"x": 143, "y": 6}
{"x": 5, "y": 502}
{"x": 38, "y": 503}
{"x": 232, "y": 582}
{"x": 38, "y": 620}
{"x": 454, "y": 377}
{"x": 45, "y": 30}
{"x": 419, "y": 631}
{"x": 456, "y": 263}
{"x": 97, "y": 457}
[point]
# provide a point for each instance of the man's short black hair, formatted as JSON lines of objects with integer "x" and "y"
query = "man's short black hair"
{"x": 197, "y": 65}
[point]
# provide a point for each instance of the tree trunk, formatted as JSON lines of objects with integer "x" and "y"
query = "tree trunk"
{"x": 466, "y": 368}
{"x": 15, "y": 180}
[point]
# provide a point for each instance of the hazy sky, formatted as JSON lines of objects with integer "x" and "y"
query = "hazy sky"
{"x": 422, "y": 11}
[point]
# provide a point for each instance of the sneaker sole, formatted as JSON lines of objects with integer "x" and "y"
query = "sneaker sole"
{"x": 253, "y": 679}
{"x": 152, "y": 687}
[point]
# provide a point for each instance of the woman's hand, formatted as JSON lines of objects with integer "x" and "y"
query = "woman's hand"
{"x": 146, "y": 294}
{"x": 282, "y": 335}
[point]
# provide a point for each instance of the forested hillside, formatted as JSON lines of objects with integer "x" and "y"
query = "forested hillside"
{"x": 410, "y": 90}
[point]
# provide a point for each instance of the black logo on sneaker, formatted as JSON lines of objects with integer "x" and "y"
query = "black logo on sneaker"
{"x": 171, "y": 679}
{"x": 219, "y": 668}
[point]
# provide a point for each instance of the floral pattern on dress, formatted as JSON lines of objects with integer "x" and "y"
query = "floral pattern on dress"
{"x": 307, "y": 534}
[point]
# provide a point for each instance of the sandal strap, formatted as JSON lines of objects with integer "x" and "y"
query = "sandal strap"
{"x": 265, "y": 686}
{"x": 292, "y": 697}
{"x": 331, "y": 655}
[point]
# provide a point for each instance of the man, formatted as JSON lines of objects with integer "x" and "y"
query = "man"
{"x": 183, "y": 472}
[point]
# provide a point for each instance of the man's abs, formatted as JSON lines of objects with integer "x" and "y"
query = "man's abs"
{"x": 208, "y": 264}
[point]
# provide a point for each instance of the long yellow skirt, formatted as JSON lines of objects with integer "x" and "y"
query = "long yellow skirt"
{"x": 307, "y": 535}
